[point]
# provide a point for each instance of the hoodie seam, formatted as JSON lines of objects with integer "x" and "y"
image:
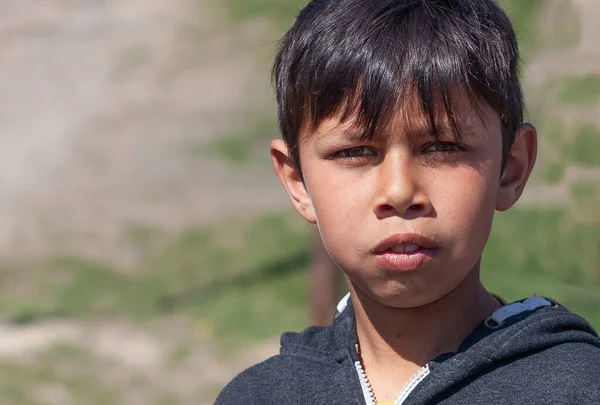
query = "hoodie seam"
{"x": 300, "y": 346}
{"x": 511, "y": 337}
{"x": 313, "y": 359}
{"x": 550, "y": 319}
{"x": 308, "y": 353}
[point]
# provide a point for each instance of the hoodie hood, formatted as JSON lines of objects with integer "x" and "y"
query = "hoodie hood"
{"x": 523, "y": 326}
{"x": 513, "y": 332}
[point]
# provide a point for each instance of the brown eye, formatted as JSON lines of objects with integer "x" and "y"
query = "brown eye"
{"x": 444, "y": 147}
{"x": 359, "y": 151}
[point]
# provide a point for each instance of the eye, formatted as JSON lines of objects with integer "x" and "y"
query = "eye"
{"x": 444, "y": 147}
{"x": 353, "y": 153}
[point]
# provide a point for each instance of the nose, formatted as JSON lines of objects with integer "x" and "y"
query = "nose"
{"x": 400, "y": 190}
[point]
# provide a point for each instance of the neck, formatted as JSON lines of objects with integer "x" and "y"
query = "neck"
{"x": 396, "y": 336}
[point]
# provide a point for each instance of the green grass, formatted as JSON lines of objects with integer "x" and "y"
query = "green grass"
{"x": 67, "y": 371}
{"x": 556, "y": 132}
{"x": 240, "y": 281}
{"x": 241, "y": 147}
{"x": 580, "y": 91}
{"x": 584, "y": 147}
{"x": 578, "y": 146}
{"x": 524, "y": 16}
{"x": 282, "y": 12}
{"x": 554, "y": 173}
{"x": 234, "y": 148}
{"x": 585, "y": 196}
{"x": 545, "y": 253}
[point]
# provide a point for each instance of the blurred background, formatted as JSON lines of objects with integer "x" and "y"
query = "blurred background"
{"x": 148, "y": 254}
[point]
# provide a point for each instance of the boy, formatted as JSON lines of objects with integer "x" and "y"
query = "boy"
{"x": 402, "y": 124}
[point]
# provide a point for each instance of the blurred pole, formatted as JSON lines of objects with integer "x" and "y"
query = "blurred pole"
{"x": 324, "y": 284}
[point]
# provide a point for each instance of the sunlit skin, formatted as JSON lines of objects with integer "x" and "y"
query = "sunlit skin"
{"x": 414, "y": 298}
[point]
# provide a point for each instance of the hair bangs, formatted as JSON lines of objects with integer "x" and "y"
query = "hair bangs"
{"x": 402, "y": 62}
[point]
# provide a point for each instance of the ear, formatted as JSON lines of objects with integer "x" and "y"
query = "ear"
{"x": 519, "y": 165}
{"x": 291, "y": 180}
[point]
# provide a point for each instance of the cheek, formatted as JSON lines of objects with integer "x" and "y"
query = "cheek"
{"x": 471, "y": 194}
{"x": 338, "y": 194}
{"x": 469, "y": 207}
{"x": 337, "y": 215}
{"x": 341, "y": 205}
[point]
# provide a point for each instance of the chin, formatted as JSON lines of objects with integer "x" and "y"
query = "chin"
{"x": 408, "y": 301}
{"x": 406, "y": 296}
{"x": 401, "y": 297}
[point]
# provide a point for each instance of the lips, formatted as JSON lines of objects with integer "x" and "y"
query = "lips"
{"x": 405, "y": 252}
{"x": 404, "y": 243}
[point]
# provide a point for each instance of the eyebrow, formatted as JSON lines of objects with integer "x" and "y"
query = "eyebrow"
{"x": 414, "y": 136}
{"x": 416, "y": 131}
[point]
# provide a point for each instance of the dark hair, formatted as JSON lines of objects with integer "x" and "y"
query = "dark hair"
{"x": 365, "y": 58}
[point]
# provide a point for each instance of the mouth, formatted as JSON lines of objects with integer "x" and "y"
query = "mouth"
{"x": 404, "y": 248}
{"x": 405, "y": 252}
{"x": 404, "y": 243}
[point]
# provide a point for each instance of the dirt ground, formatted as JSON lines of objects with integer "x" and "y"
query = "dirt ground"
{"x": 101, "y": 102}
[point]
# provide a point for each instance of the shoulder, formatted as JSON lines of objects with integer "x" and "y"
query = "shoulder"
{"x": 245, "y": 388}
{"x": 569, "y": 372}
{"x": 575, "y": 359}
{"x": 275, "y": 379}
{"x": 304, "y": 367}
{"x": 278, "y": 379}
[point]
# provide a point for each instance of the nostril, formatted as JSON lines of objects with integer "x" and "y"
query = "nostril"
{"x": 387, "y": 207}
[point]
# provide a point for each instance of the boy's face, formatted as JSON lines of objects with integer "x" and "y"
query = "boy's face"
{"x": 404, "y": 217}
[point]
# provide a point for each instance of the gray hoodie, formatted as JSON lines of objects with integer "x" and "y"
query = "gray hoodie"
{"x": 532, "y": 351}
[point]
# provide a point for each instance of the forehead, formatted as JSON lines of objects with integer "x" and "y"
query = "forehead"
{"x": 464, "y": 118}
